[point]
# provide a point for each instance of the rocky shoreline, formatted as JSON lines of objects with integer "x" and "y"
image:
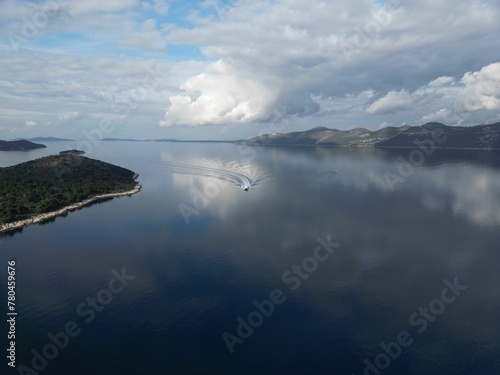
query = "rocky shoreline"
{"x": 75, "y": 206}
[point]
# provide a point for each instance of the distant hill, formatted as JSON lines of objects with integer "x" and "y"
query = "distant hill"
{"x": 53, "y": 182}
{"x": 188, "y": 141}
{"x": 21, "y": 145}
{"x": 50, "y": 139}
{"x": 120, "y": 140}
{"x": 326, "y": 136}
{"x": 473, "y": 137}
{"x": 163, "y": 140}
{"x": 481, "y": 136}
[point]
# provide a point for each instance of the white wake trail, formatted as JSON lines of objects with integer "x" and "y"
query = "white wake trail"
{"x": 241, "y": 176}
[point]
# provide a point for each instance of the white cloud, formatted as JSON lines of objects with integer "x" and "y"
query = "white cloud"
{"x": 68, "y": 90}
{"x": 30, "y": 123}
{"x": 442, "y": 81}
{"x": 285, "y": 56}
{"x": 452, "y": 100}
{"x": 393, "y": 102}
{"x": 441, "y": 115}
{"x": 143, "y": 37}
{"x": 301, "y": 49}
{"x": 385, "y": 124}
{"x": 8, "y": 129}
{"x": 99, "y": 6}
{"x": 477, "y": 197}
{"x": 160, "y": 7}
{"x": 481, "y": 89}
{"x": 344, "y": 104}
{"x": 225, "y": 97}
{"x": 72, "y": 117}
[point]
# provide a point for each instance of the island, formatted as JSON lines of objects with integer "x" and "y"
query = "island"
{"x": 40, "y": 190}
{"x": 485, "y": 137}
{"x": 19, "y": 145}
{"x": 50, "y": 139}
{"x": 74, "y": 152}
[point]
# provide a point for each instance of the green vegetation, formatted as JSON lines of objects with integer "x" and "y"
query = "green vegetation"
{"x": 74, "y": 152}
{"x": 53, "y": 182}
{"x": 21, "y": 145}
{"x": 480, "y": 136}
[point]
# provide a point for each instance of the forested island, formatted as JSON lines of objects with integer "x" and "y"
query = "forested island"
{"x": 41, "y": 189}
{"x": 74, "y": 152}
{"x": 20, "y": 145}
{"x": 455, "y": 137}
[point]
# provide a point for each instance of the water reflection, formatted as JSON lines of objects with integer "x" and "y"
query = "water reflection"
{"x": 468, "y": 184}
{"x": 194, "y": 279}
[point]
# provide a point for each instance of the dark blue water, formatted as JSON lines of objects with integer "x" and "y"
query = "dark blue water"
{"x": 353, "y": 262}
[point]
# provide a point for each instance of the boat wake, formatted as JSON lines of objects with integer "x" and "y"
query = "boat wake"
{"x": 243, "y": 176}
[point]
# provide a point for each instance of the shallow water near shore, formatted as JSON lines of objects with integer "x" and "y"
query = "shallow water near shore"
{"x": 202, "y": 255}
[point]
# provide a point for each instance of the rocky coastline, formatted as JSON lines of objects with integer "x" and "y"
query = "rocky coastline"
{"x": 63, "y": 211}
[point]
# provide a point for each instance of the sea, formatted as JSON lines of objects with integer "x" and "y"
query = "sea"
{"x": 239, "y": 259}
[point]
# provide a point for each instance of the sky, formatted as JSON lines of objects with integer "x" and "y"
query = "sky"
{"x": 235, "y": 69}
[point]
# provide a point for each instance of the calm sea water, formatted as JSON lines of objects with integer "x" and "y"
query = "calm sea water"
{"x": 334, "y": 262}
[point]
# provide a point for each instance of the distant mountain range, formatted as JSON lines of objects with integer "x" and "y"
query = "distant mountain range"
{"x": 49, "y": 139}
{"x": 21, "y": 145}
{"x": 45, "y": 139}
{"x": 459, "y": 137}
{"x": 481, "y": 136}
{"x": 121, "y": 140}
{"x": 162, "y": 140}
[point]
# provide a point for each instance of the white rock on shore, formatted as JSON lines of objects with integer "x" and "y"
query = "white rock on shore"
{"x": 50, "y": 215}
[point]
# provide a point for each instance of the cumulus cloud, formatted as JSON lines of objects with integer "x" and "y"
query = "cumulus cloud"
{"x": 293, "y": 37}
{"x": 440, "y": 115}
{"x": 481, "y": 89}
{"x": 279, "y": 56}
{"x": 476, "y": 91}
{"x": 393, "y": 102}
{"x": 220, "y": 95}
{"x": 302, "y": 48}
{"x": 72, "y": 116}
{"x": 442, "y": 81}
{"x": 30, "y": 123}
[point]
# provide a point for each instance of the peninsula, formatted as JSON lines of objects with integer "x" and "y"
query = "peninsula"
{"x": 42, "y": 189}
{"x": 20, "y": 145}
